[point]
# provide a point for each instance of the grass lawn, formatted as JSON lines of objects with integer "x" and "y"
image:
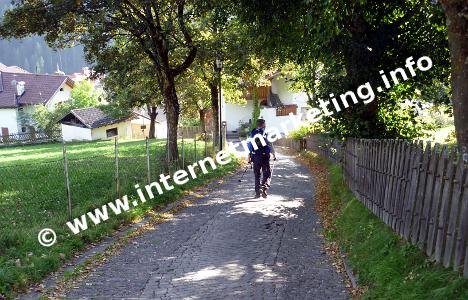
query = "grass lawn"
{"x": 33, "y": 197}
{"x": 387, "y": 267}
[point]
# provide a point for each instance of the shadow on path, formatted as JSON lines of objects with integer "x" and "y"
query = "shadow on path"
{"x": 228, "y": 246}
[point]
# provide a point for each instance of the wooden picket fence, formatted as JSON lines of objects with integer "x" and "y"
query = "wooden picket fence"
{"x": 35, "y": 137}
{"x": 419, "y": 190}
{"x": 189, "y": 131}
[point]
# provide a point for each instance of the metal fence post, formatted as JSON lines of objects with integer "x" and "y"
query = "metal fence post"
{"x": 224, "y": 136}
{"x": 117, "y": 180}
{"x": 148, "y": 165}
{"x": 67, "y": 181}
{"x": 206, "y": 145}
{"x": 214, "y": 141}
{"x": 195, "y": 146}
{"x": 183, "y": 152}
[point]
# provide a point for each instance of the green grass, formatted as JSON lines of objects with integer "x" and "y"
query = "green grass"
{"x": 33, "y": 197}
{"x": 387, "y": 266}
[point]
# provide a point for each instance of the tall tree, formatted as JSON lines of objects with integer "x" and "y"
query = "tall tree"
{"x": 130, "y": 81}
{"x": 345, "y": 34}
{"x": 457, "y": 22}
{"x": 162, "y": 28}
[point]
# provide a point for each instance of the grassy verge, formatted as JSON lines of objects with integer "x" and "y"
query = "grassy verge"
{"x": 32, "y": 197}
{"x": 386, "y": 266}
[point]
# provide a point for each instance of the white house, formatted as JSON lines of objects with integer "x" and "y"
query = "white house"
{"x": 89, "y": 124}
{"x": 143, "y": 119}
{"x": 21, "y": 92}
{"x": 276, "y": 102}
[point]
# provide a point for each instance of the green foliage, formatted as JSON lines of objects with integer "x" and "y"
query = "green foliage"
{"x": 306, "y": 130}
{"x": 439, "y": 116}
{"x": 83, "y": 95}
{"x": 244, "y": 129}
{"x": 256, "y": 110}
{"x": 194, "y": 95}
{"x": 337, "y": 46}
{"x": 44, "y": 118}
{"x": 190, "y": 122}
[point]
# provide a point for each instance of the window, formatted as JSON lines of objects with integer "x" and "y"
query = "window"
{"x": 23, "y": 129}
{"x": 112, "y": 132}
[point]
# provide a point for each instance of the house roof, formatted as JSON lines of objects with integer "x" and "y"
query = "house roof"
{"x": 93, "y": 117}
{"x": 275, "y": 100}
{"x": 39, "y": 88}
{"x": 12, "y": 69}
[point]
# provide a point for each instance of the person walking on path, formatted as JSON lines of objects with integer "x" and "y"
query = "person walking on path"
{"x": 260, "y": 152}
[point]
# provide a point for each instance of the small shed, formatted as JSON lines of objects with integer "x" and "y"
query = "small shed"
{"x": 89, "y": 124}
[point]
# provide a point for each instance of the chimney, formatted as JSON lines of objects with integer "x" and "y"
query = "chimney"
{"x": 20, "y": 86}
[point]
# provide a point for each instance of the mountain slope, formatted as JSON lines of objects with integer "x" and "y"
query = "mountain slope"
{"x": 34, "y": 55}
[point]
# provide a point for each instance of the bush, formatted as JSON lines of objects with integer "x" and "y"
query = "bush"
{"x": 306, "y": 130}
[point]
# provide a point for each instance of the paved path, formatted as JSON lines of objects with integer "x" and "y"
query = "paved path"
{"x": 228, "y": 246}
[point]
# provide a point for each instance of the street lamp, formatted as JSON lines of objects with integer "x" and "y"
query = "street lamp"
{"x": 219, "y": 68}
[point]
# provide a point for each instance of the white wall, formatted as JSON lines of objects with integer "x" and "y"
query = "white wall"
{"x": 124, "y": 130}
{"x": 74, "y": 133}
{"x": 161, "y": 130}
{"x": 269, "y": 114}
{"x": 161, "y": 123}
{"x": 8, "y": 120}
{"x": 60, "y": 96}
{"x": 235, "y": 113}
{"x": 281, "y": 87}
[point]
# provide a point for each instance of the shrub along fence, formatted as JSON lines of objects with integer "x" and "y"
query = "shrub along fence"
{"x": 419, "y": 190}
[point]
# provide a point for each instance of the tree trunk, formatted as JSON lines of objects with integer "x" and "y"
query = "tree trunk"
{"x": 215, "y": 112}
{"x": 201, "y": 112}
{"x": 172, "y": 116}
{"x": 456, "y": 12}
{"x": 152, "y": 112}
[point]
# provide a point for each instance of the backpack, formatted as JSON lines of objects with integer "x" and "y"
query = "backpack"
{"x": 261, "y": 148}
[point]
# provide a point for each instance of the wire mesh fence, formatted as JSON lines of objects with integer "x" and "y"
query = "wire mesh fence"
{"x": 30, "y": 189}
{"x": 76, "y": 183}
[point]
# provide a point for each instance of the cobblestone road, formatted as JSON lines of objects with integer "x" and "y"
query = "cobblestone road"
{"x": 228, "y": 246}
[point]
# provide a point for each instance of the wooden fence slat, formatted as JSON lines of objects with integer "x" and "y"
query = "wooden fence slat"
{"x": 421, "y": 192}
{"x": 455, "y": 212}
{"x": 366, "y": 174}
{"x": 375, "y": 173}
{"x": 398, "y": 183}
{"x": 426, "y": 201}
{"x": 445, "y": 206}
{"x": 460, "y": 245}
{"x": 386, "y": 187}
{"x": 421, "y": 187}
{"x": 435, "y": 207}
{"x": 383, "y": 187}
{"x": 415, "y": 170}
{"x": 378, "y": 177}
{"x": 390, "y": 182}
{"x": 403, "y": 184}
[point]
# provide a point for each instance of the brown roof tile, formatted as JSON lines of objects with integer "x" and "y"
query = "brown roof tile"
{"x": 39, "y": 88}
{"x": 93, "y": 117}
